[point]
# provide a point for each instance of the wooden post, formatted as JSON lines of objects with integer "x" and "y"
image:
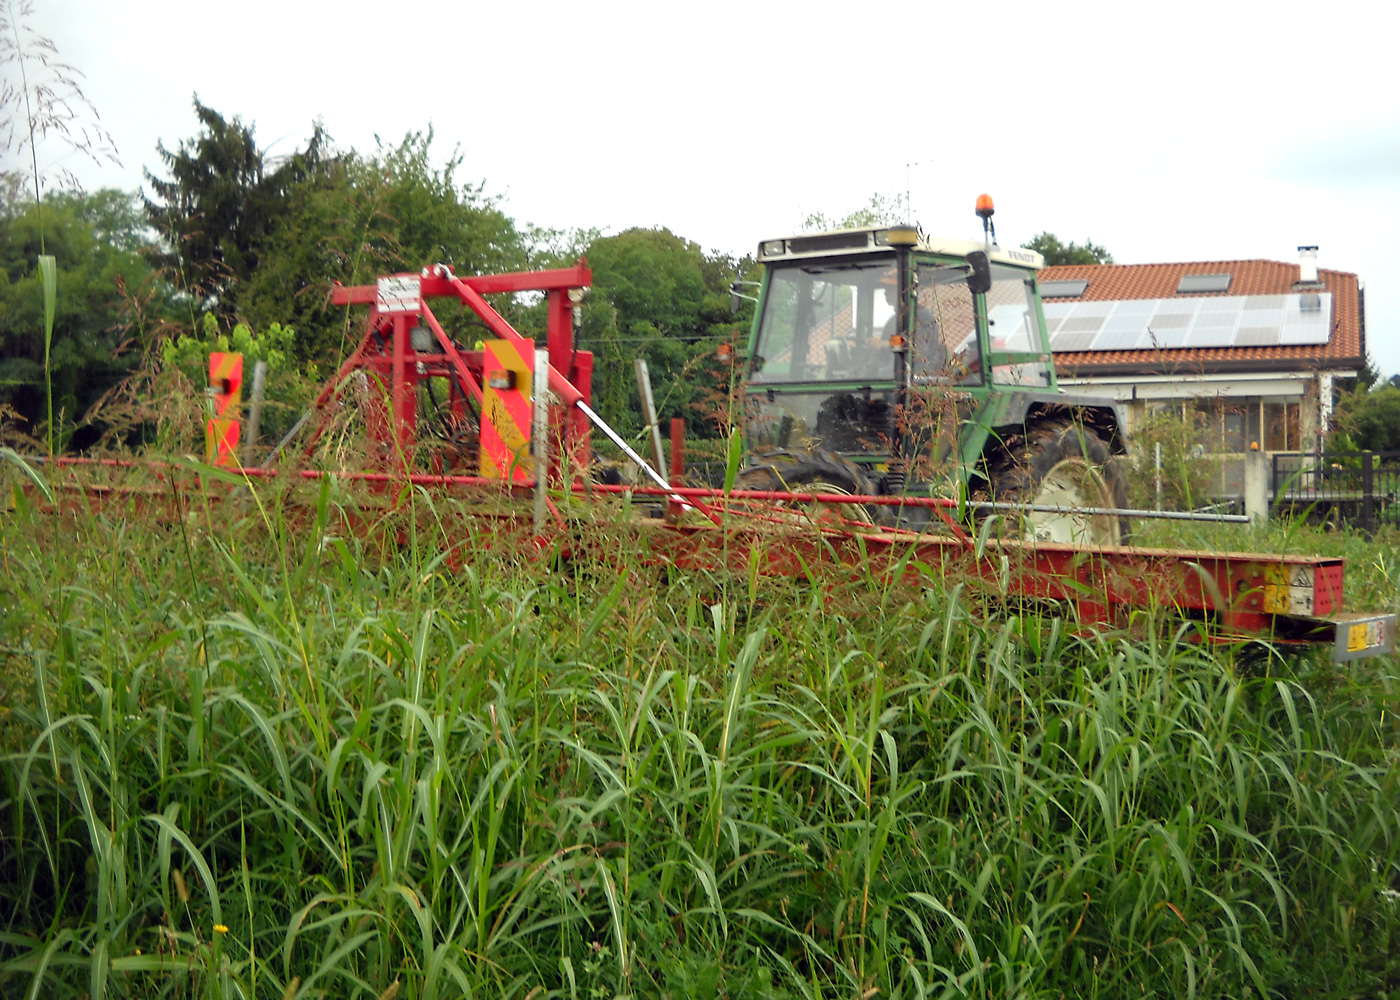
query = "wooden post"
{"x": 255, "y": 401}
{"x": 649, "y": 411}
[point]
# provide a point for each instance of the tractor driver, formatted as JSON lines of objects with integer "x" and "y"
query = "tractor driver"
{"x": 931, "y": 357}
{"x": 862, "y": 351}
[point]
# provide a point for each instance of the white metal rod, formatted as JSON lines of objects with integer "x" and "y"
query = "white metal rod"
{"x": 631, "y": 453}
{"x": 627, "y": 449}
{"x": 1164, "y": 515}
{"x": 539, "y": 435}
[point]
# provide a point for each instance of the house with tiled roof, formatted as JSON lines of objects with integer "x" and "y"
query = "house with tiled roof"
{"x": 1252, "y": 348}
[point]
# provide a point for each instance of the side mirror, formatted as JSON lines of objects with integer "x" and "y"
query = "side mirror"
{"x": 979, "y": 282}
{"x": 737, "y": 298}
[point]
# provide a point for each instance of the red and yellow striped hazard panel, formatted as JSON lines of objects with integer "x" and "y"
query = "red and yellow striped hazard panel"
{"x": 506, "y": 407}
{"x": 221, "y": 431}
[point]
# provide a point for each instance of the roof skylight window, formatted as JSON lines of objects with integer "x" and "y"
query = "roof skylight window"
{"x": 1063, "y": 289}
{"x": 1203, "y": 283}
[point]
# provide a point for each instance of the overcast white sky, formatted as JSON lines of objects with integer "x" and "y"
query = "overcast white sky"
{"x": 1165, "y": 132}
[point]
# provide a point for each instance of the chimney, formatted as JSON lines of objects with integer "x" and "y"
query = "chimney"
{"x": 1307, "y": 265}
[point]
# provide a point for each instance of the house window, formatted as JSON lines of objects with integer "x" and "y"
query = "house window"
{"x": 1222, "y": 425}
{"x": 1228, "y": 426}
{"x": 1282, "y": 427}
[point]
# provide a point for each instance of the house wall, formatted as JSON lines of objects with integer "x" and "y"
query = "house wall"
{"x": 1141, "y": 395}
{"x": 1279, "y": 413}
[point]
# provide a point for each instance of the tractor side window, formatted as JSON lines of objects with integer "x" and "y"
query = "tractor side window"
{"x": 773, "y": 358}
{"x": 831, "y": 342}
{"x": 1013, "y": 324}
{"x": 944, "y": 346}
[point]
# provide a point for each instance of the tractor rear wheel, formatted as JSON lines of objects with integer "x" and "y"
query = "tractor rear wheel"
{"x": 1065, "y": 465}
{"x": 815, "y": 472}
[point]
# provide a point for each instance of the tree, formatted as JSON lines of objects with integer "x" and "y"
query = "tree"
{"x": 1057, "y": 252}
{"x": 96, "y": 241}
{"x": 219, "y": 205}
{"x": 1369, "y": 421}
{"x": 262, "y": 242}
{"x": 878, "y": 211}
{"x": 363, "y": 216}
{"x": 657, "y": 296}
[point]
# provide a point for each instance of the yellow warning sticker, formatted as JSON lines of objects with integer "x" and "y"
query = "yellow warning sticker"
{"x": 1288, "y": 590}
{"x": 1365, "y": 635}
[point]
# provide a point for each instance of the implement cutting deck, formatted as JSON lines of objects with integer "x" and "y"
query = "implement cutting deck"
{"x": 1288, "y": 600}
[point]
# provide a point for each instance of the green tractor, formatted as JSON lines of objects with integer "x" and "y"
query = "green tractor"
{"x": 883, "y": 362}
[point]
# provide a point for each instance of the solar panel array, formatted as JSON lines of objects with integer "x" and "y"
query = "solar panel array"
{"x": 1172, "y": 324}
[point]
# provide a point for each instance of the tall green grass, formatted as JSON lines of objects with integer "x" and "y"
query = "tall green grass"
{"x": 289, "y": 750}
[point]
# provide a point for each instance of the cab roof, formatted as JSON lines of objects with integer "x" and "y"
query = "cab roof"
{"x": 867, "y": 239}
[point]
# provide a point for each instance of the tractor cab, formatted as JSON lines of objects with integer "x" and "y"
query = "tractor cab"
{"x": 857, "y": 330}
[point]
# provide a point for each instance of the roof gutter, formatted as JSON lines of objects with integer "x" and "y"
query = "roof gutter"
{"x": 1337, "y": 366}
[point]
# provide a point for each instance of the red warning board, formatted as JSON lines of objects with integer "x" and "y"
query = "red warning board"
{"x": 506, "y": 408}
{"x": 221, "y": 431}
{"x": 221, "y": 443}
{"x": 226, "y": 383}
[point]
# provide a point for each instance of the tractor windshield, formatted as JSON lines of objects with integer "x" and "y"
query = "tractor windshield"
{"x": 827, "y": 322}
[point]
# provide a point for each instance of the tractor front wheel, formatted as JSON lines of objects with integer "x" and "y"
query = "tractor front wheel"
{"x": 814, "y": 472}
{"x": 1067, "y": 467}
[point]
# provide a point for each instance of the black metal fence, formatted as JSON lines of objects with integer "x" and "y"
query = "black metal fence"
{"x": 1360, "y": 488}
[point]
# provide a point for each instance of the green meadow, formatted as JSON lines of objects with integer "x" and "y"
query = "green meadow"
{"x": 273, "y": 749}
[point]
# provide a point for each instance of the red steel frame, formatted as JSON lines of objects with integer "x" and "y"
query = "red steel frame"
{"x": 394, "y": 368}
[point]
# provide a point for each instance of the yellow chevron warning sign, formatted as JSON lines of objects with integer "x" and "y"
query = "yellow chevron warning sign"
{"x": 506, "y": 408}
